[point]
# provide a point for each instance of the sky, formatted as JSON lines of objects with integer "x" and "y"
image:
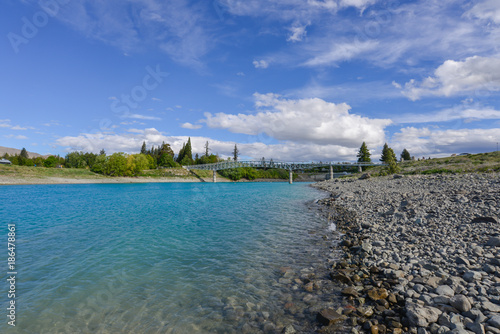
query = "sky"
{"x": 295, "y": 80}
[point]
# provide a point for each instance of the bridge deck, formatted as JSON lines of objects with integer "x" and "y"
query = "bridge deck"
{"x": 278, "y": 164}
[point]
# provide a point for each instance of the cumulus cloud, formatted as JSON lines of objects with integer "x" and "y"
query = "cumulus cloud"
{"x": 306, "y": 121}
{"x": 457, "y": 77}
{"x": 260, "y": 64}
{"x": 425, "y": 141}
{"x": 132, "y": 142}
{"x": 190, "y": 126}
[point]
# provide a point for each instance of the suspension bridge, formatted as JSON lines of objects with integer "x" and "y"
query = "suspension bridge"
{"x": 290, "y": 166}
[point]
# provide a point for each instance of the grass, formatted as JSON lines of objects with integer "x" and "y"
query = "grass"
{"x": 474, "y": 163}
{"x": 42, "y": 172}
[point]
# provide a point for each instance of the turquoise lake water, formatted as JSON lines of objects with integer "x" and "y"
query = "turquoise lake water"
{"x": 158, "y": 257}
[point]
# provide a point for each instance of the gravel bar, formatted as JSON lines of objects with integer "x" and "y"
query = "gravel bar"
{"x": 421, "y": 254}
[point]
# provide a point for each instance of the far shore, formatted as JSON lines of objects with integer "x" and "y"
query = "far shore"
{"x": 8, "y": 180}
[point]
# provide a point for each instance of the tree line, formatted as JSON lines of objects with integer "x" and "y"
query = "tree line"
{"x": 388, "y": 157}
{"x": 122, "y": 164}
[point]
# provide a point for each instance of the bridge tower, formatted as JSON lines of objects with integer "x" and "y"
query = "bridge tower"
{"x": 291, "y": 176}
{"x": 215, "y": 176}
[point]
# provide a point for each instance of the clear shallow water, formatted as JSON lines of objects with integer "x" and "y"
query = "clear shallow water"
{"x": 157, "y": 258}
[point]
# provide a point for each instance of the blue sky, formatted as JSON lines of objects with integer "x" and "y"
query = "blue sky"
{"x": 289, "y": 80}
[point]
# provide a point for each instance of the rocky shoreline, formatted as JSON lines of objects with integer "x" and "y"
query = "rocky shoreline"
{"x": 421, "y": 254}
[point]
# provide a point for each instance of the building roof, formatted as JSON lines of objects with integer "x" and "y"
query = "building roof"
{"x": 4, "y": 161}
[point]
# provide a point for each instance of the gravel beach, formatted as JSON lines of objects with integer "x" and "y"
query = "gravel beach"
{"x": 421, "y": 253}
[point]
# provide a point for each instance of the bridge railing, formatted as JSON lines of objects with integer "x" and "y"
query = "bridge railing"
{"x": 277, "y": 164}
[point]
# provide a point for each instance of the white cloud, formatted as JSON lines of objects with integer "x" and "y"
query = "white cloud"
{"x": 16, "y": 137}
{"x": 297, "y": 33}
{"x": 5, "y": 123}
{"x": 427, "y": 142}
{"x": 132, "y": 142}
{"x": 156, "y": 99}
{"x": 260, "y": 64}
{"x": 142, "y": 117}
{"x": 340, "y": 52}
{"x": 486, "y": 10}
{"x": 190, "y": 126}
{"x": 17, "y": 127}
{"x": 458, "y": 113}
{"x": 458, "y": 77}
{"x": 305, "y": 121}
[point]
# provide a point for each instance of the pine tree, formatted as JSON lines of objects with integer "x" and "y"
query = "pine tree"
{"x": 364, "y": 154}
{"x": 102, "y": 152}
{"x": 405, "y": 155}
{"x": 181, "y": 154}
{"x": 189, "y": 152}
{"x": 144, "y": 150}
{"x": 206, "y": 149}
{"x": 165, "y": 149}
{"x": 392, "y": 166}
{"x": 235, "y": 153}
{"x": 24, "y": 154}
{"x": 386, "y": 153}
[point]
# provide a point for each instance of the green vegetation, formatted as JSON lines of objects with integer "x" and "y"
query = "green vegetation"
{"x": 405, "y": 155}
{"x": 474, "y": 163}
{"x": 249, "y": 173}
{"x": 364, "y": 154}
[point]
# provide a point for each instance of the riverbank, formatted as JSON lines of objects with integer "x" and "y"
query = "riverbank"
{"x": 422, "y": 253}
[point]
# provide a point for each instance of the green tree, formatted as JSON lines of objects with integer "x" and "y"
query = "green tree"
{"x": 206, "y": 149}
{"x": 364, "y": 154}
{"x": 405, "y": 155}
{"x": 152, "y": 162}
{"x": 387, "y": 153}
{"x": 144, "y": 150}
{"x": 181, "y": 154}
{"x": 39, "y": 161}
{"x": 185, "y": 156}
{"x": 75, "y": 160}
{"x": 235, "y": 153}
{"x": 392, "y": 166}
{"x": 24, "y": 154}
{"x": 165, "y": 149}
{"x": 51, "y": 161}
{"x": 100, "y": 164}
{"x": 166, "y": 160}
{"x": 102, "y": 152}
{"x": 116, "y": 165}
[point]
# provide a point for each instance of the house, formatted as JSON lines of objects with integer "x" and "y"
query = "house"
{"x": 5, "y": 162}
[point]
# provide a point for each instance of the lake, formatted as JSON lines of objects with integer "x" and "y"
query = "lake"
{"x": 161, "y": 257}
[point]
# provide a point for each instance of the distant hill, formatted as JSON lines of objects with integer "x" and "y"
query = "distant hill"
{"x": 14, "y": 151}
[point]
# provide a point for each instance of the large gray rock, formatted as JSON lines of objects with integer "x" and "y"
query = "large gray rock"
{"x": 475, "y": 327}
{"x": 495, "y": 321}
{"x": 445, "y": 290}
{"x": 421, "y": 316}
{"x": 461, "y": 303}
{"x": 489, "y": 306}
{"x": 493, "y": 241}
{"x": 472, "y": 276}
